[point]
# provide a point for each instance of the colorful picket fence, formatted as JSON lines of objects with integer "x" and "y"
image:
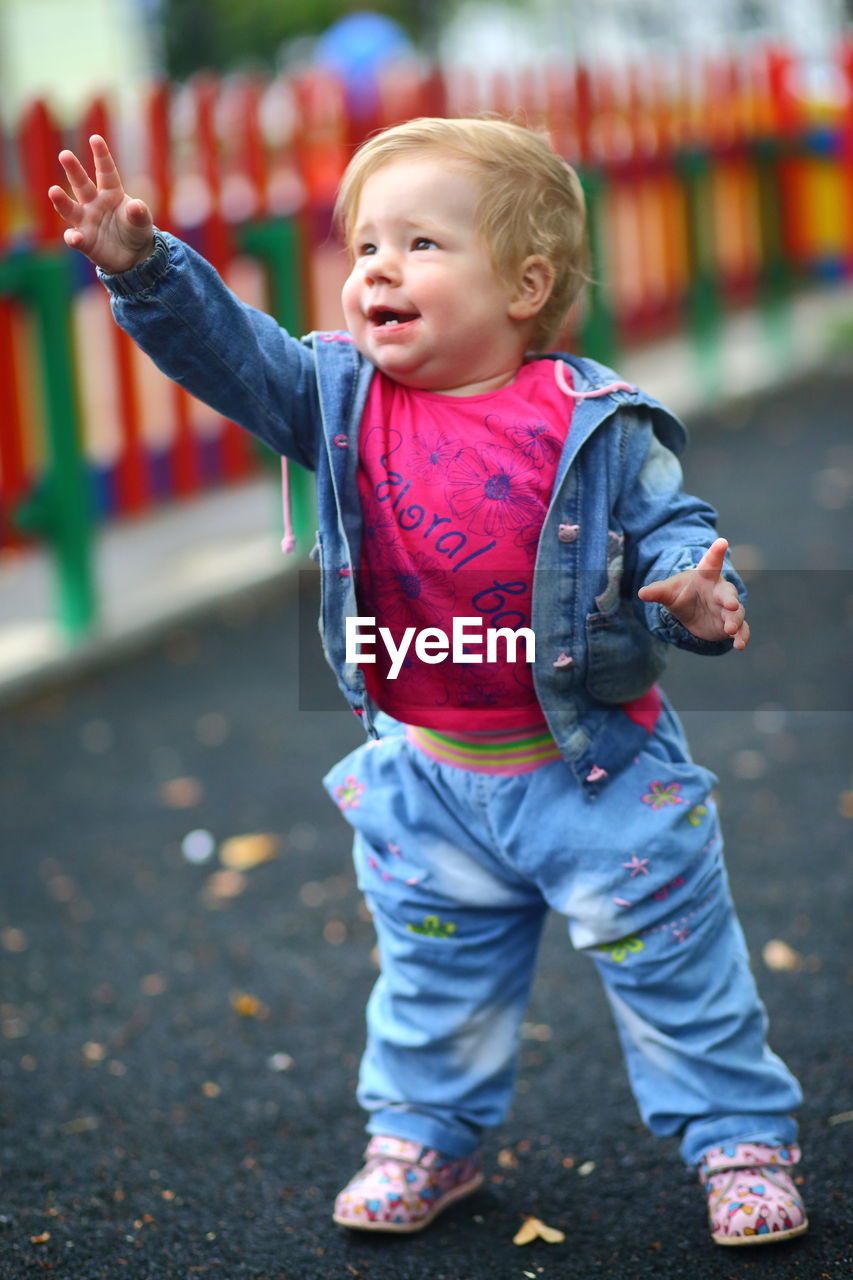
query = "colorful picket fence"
{"x": 709, "y": 186}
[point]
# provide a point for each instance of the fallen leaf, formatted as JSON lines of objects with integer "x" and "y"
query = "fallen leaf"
{"x": 527, "y": 1232}
{"x": 585, "y": 1169}
{"x": 507, "y": 1159}
{"x": 181, "y": 793}
{"x": 222, "y": 885}
{"x": 841, "y": 1117}
{"x": 241, "y": 853}
{"x": 81, "y": 1124}
{"x": 248, "y": 1006}
{"x": 42, "y": 1239}
{"x": 533, "y": 1229}
{"x": 780, "y": 956}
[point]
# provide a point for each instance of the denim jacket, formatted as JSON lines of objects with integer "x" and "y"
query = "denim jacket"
{"x": 618, "y": 516}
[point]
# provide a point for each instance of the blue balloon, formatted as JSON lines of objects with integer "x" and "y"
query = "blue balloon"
{"x": 356, "y": 48}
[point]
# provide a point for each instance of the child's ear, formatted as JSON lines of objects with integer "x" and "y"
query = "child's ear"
{"x": 535, "y": 282}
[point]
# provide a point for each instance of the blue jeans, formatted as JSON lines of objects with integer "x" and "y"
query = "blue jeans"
{"x": 459, "y": 870}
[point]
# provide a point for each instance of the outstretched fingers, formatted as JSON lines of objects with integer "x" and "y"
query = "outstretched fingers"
{"x": 733, "y": 614}
{"x": 741, "y": 636}
{"x": 106, "y": 170}
{"x": 113, "y": 230}
{"x": 656, "y": 592}
{"x": 138, "y": 213}
{"x": 69, "y": 210}
{"x": 714, "y": 558}
{"x": 81, "y": 184}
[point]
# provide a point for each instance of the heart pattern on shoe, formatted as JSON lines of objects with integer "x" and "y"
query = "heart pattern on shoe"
{"x": 752, "y": 1198}
{"x": 404, "y": 1186}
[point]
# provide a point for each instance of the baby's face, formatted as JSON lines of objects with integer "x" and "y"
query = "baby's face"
{"x": 423, "y": 301}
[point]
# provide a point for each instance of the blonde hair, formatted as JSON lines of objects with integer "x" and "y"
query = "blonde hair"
{"x": 531, "y": 203}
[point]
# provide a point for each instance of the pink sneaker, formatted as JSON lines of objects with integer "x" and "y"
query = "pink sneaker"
{"x": 751, "y": 1195}
{"x": 403, "y": 1186}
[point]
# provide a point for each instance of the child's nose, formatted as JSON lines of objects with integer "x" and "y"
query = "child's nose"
{"x": 382, "y": 267}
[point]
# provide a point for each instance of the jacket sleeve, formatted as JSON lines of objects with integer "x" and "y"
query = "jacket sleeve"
{"x": 666, "y": 530}
{"x": 235, "y": 358}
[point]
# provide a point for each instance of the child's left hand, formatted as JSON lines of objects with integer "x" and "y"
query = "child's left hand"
{"x": 702, "y": 600}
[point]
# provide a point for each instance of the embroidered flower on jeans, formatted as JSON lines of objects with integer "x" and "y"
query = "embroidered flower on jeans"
{"x": 491, "y": 489}
{"x": 637, "y": 866}
{"x": 620, "y": 950}
{"x": 660, "y": 794}
{"x": 696, "y": 814}
{"x": 350, "y": 793}
{"x": 663, "y": 893}
{"x": 374, "y": 866}
{"x": 432, "y": 927}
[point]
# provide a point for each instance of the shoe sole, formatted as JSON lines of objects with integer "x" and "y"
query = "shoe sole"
{"x": 458, "y": 1193}
{"x": 768, "y": 1237}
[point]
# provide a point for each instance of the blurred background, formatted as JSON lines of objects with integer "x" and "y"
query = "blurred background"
{"x": 71, "y": 51}
{"x": 714, "y": 139}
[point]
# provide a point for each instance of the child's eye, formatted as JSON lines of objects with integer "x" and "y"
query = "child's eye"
{"x": 424, "y": 242}
{"x": 365, "y": 250}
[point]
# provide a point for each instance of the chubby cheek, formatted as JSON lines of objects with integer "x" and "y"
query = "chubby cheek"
{"x": 350, "y": 301}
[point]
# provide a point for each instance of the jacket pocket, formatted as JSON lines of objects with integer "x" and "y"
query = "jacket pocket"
{"x": 623, "y": 658}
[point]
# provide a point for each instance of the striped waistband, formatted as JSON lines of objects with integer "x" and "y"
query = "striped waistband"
{"x": 505, "y": 753}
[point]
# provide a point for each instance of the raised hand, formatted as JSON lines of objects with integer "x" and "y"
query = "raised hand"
{"x": 702, "y": 600}
{"x": 113, "y": 230}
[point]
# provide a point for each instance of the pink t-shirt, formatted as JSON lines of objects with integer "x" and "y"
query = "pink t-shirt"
{"x": 454, "y": 491}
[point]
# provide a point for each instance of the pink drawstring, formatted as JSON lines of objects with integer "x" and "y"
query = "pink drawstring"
{"x": 288, "y": 542}
{"x": 560, "y": 376}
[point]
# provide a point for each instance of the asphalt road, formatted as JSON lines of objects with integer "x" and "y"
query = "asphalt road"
{"x": 180, "y": 1037}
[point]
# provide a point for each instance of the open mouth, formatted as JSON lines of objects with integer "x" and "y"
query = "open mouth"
{"x": 386, "y": 319}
